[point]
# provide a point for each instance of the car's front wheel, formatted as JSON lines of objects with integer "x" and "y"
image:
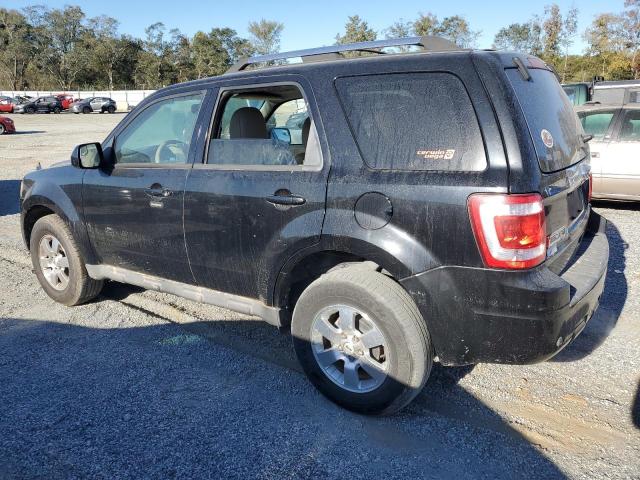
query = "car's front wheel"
{"x": 86, "y": 110}
{"x": 56, "y": 110}
{"x": 111, "y": 109}
{"x": 58, "y": 264}
{"x": 2, "y": 129}
{"x": 361, "y": 340}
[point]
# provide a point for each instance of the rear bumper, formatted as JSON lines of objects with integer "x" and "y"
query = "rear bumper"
{"x": 495, "y": 316}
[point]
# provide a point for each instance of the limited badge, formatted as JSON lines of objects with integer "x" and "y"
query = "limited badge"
{"x": 547, "y": 138}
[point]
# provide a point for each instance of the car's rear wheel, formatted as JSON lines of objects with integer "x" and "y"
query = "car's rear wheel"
{"x": 56, "y": 110}
{"x": 86, "y": 110}
{"x": 30, "y": 110}
{"x": 58, "y": 264}
{"x": 111, "y": 109}
{"x": 2, "y": 129}
{"x": 361, "y": 340}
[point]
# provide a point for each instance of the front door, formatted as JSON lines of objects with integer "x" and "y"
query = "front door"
{"x": 133, "y": 211}
{"x": 259, "y": 195}
{"x": 598, "y": 123}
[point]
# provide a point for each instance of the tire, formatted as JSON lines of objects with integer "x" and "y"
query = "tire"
{"x": 56, "y": 110}
{"x": 404, "y": 361}
{"x": 30, "y": 110}
{"x": 79, "y": 287}
{"x": 111, "y": 109}
{"x": 86, "y": 110}
{"x": 2, "y": 129}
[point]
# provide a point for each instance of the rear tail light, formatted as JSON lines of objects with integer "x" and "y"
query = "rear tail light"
{"x": 510, "y": 229}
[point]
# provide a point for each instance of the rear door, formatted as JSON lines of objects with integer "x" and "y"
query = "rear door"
{"x": 621, "y": 166}
{"x": 96, "y": 104}
{"x": 562, "y": 155}
{"x": 251, "y": 202}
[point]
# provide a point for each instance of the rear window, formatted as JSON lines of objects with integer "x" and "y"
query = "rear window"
{"x": 552, "y": 121}
{"x": 418, "y": 121}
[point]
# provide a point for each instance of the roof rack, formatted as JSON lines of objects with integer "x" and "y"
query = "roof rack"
{"x": 428, "y": 43}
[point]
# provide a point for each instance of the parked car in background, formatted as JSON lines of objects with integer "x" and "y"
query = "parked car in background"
{"x": 7, "y": 104}
{"x": 619, "y": 93}
{"x": 65, "y": 100}
{"x": 615, "y": 149}
{"x": 95, "y": 104}
{"x": 578, "y": 93}
{"x": 41, "y": 105}
{"x": 23, "y": 98}
{"x": 437, "y": 206}
{"x": 6, "y": 125}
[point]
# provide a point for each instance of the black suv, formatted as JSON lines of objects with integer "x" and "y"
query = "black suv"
{"x": 41, "y": 105}
{"x": 435, "y": 207}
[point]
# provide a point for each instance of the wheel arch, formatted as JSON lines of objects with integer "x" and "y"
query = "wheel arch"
{"x": 49, "y": 199}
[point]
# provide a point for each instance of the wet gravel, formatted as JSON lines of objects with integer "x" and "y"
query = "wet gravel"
{"x": 145, "y": 385}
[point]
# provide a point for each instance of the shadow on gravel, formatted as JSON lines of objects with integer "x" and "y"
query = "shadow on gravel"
{"x": 164, "y": 402}
{"x": 28, "y": 132}
{"x": 9, "y": 197}
{"x": 611, "y": 303}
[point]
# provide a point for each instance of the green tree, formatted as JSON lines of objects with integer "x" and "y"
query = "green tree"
{"x": 265, "y": 36}
{"x": 356, "y": 30}
{"x": 631, "y": 33}
{"x": 519, "y": 37}
{"x": 16, "y": 47}
{"x": 216, "y": 51}
{"x": 604, "y": 39}
{"x": 106, "y": 46}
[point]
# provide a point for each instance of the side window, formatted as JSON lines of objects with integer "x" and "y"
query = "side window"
{"x": 596, "y": 123}
{"x": 420, "y": 121}
{"x": 630, "y": 128}
{"x": 264, "y": 126}
{"x": 161, "y": 133}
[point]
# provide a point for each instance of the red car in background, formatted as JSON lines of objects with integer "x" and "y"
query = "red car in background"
{"x": 6, "y": 125}
{"x": 7, "y": 103}
{"x": 65, "y": 100}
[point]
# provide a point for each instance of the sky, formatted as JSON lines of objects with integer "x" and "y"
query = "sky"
{"x": 313, "y": 24}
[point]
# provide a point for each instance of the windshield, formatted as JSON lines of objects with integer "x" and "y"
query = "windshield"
{"x": 552, "y": 121}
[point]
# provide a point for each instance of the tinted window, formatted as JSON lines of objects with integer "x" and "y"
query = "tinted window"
{"x": 260, "y": 127}
{"x": 421, "y": 121}
{"x": 596, "y": 123}
{"x": 630, "y": 129}
{"x": 161, "y": 133}
{"x": 548, "y": 111}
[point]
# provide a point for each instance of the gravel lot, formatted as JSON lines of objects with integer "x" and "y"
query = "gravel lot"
{"x": 141, "y": 384}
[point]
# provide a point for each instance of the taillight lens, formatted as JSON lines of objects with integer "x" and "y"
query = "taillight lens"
{"x": 510, "y": 229}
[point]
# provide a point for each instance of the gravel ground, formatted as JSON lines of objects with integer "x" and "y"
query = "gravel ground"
{"x": 141, "y": 384}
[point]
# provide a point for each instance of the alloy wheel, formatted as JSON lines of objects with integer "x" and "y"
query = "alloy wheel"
{"x": 350, "y": 348}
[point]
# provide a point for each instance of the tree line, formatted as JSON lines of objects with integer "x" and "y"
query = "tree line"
{"x": 45, "y": 48}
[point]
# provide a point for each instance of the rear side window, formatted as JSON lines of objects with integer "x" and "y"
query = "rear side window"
{"x": 418, "y": 121}
{"x": 596, "y": 123}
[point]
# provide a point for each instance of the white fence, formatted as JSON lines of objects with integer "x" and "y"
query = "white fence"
{"x": 125, "y": 99}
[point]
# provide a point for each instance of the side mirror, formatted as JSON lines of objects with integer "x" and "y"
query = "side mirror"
{"x": 281, "y": 134}
{"x": 87, "y": 155}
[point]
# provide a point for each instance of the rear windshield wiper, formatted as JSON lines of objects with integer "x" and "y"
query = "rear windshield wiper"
{"x": 522, "y": 68}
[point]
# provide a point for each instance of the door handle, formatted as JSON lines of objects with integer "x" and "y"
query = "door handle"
{"x": 285, "y": 198}
{"x": 595, "y": 155}
{"x": 157, "y": 191}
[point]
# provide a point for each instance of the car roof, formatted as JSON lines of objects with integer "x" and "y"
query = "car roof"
{"x": 617, "y": 84}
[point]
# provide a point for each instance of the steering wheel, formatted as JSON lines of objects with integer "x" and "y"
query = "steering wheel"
{"x": 176, "y": 147}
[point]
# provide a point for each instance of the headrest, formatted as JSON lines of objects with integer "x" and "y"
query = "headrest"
{"x": 248, "y": 122}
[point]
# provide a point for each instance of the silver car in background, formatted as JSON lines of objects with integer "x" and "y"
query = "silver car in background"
{"x": 615, "y": 149}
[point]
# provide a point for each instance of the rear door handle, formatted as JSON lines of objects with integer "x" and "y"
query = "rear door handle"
{"x": 286, "y": 199}
{"x": 157, "y": 191}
